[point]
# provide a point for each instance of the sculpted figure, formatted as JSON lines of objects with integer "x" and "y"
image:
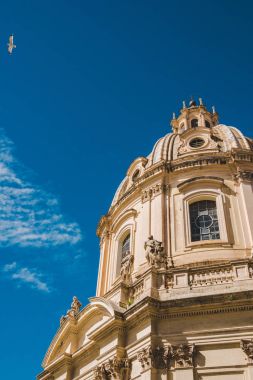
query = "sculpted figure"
{"x": 126, "y": 268}
{"x": 154, "y": 252}
{"x": 75, "y": 307}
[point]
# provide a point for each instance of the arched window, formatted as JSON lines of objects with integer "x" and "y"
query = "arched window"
{"x": 204, "y": 221}
{"x": 194, "y": 123}
{"x": 207, "y": 124}
{"x": 125, "y": 249}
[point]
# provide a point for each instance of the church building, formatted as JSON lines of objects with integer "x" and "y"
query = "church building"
{"x": 174, "y": 297}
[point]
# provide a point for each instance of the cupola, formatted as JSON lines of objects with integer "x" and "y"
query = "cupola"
{"x": 194, "y": 116}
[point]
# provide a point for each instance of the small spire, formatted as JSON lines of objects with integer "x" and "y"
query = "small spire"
{"x": 174, "y": 116}
{"x": 200, "y": 102}
{"x": 184, "y": 105}
{"x": 192, "y": 102}
{"x": 213, "y": 109}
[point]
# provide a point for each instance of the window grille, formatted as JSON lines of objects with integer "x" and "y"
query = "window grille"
{"x": 204, "y": 221}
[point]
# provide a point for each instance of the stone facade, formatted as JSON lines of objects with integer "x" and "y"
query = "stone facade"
{"x": 175, "y": 282}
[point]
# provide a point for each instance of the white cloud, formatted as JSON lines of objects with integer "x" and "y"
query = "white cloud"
{"x": 29, "y": 216}
{"x": 9, "y": 267}
{"x": 24, "y": 275}
{"x": 31, "y": 278}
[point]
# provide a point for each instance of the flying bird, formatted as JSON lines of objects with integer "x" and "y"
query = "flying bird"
{"x": 11, "y": 45}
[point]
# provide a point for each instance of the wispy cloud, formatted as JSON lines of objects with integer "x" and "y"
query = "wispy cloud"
{"x": 29, "y": 216}
{"x": 25, "y": 275}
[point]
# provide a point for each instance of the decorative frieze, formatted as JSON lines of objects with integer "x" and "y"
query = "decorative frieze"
{"x": 153, "y": 191}
{"x": 199, "y": 162}
{"x": 155, "y": 253}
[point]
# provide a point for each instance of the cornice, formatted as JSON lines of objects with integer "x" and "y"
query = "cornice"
{"x": 200, "y": 305}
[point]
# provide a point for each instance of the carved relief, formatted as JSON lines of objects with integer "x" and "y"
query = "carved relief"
{"x": 155, "y": 253}
{"x": 73, "y": 311}
{"x": 247, "y": 347}
{"x": 183, "y": 355}
{"x": 126, "y": 268}
{"x": 117, "y": 368}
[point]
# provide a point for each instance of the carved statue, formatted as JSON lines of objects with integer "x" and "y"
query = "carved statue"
{"x": 247, "y": 347}
{"x": 155, "y": 252}
{"x": 75, "y": 307}
{"x": 73, "y": 311}
{"x": 183, "y": 355}
{"x": 126, "y": 268}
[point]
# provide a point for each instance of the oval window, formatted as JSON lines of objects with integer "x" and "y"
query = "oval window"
{"x": 197, "y": 142}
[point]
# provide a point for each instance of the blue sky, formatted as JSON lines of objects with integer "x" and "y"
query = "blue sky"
{"x": 91, "y": 86}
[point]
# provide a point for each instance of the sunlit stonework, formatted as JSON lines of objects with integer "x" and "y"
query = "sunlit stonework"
{"x": 175, "y": 282}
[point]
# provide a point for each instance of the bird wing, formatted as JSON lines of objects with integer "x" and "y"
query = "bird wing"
{"x": 11, "y": 40}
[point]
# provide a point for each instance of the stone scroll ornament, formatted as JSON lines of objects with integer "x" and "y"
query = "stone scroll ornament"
{"x": 155, "y": 253}
{"x": 116, "y": 368}
{"x": 73, "y": 311}
{"x": 247, "y": 347}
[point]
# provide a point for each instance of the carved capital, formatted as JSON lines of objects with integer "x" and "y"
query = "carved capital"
{"x": 183, "y": 355}
{"x": 158, "y": 357}
{"x": 245, "y": 176}
{"x": 117, "y": 368}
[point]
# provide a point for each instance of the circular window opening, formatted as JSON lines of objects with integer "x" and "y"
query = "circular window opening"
{"x": 197, "y": 142}
{"x": 204, "y": 221}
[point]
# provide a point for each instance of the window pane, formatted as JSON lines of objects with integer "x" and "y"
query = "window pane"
{"x": 125, "y": 246}
{"x": 204, "y": 221}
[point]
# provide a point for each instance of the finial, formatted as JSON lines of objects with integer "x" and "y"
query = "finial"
{"x": 184, "y": 105}
{"x": 192, "y": 102}
{"x": 213, "y": 109}
{"x": 174, "y": 116}
{"x": 200, "y": 102}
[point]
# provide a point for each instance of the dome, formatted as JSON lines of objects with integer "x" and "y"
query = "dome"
{"x": 175, "y": 147}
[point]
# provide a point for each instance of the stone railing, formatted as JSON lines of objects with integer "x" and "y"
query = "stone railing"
{"x": 211, "y": 277}
{"x": 136, "y": 291}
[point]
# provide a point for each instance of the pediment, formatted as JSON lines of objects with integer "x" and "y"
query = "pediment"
{"x": 78, "y": 332}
